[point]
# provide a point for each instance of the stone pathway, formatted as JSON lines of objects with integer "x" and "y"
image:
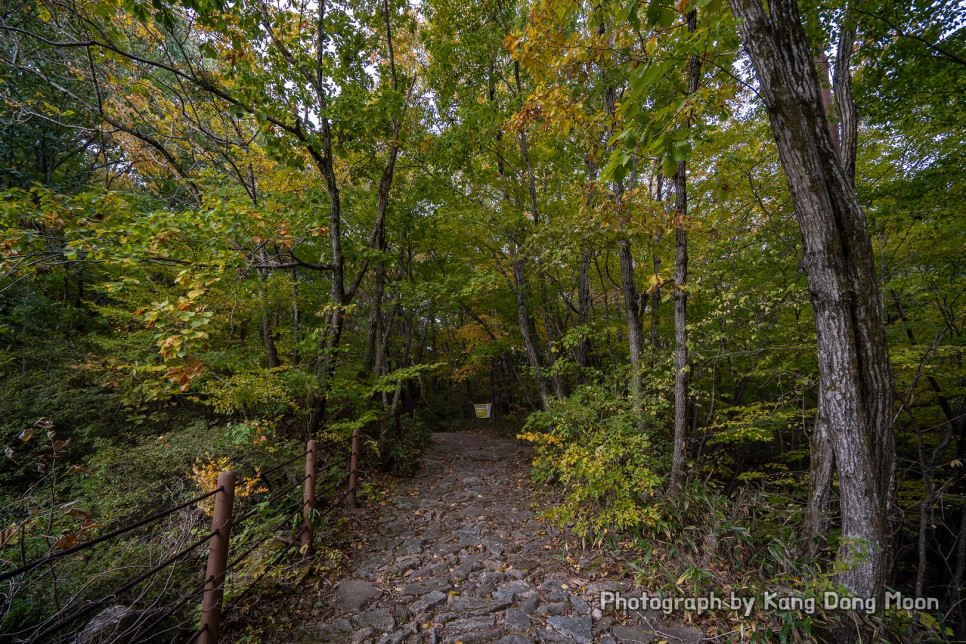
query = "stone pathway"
{"x": 461, "y": 557}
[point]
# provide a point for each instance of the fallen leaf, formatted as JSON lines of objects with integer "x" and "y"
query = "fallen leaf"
{"x": 66, "y": 541}
{"x": 77, "y": 513}
{"x": 7, "y": 534}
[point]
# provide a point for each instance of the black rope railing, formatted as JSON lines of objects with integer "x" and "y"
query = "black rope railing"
{"x": 105, "y": 537}
{"x": 279, "y": 495}
{"x": 115, "y": 594}
{"x": 184, "y": 599}
{"x": 276, "y": 468}
{"x": 75, "y": 609}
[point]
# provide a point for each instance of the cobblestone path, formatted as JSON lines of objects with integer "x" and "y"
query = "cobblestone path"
{"x": 461, "y": 557}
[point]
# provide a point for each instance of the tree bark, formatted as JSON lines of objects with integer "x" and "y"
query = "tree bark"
{"x": 525, "y": 323}
{"x": 681, "y": 373}
{"x": 855, "y": 377}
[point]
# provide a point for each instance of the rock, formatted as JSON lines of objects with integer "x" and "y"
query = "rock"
{"x": 579, "y": 629}
{"x": 554, "y": 608}
{"x": 427, "y": 586}
{"x": 429, "y": 571}
{"x": 470, "y": 564}
{"x": 354, "y": 594}
{"x": 118, "y": 622}
{"x": 678, "y": 634}
{"x": 335, "y": 632}
{"x": 514, "y": 639}
{"x": 477, "y": 606}
{"x": 632, "y": 635}
{"x": 529, "y": 605}
{"x": 412, "y": 547}
{"x": 492, "y": 577}
{"x": 581, "y": 607}
{"x": 516, "y": 619}
{"x": 427, "y": 602}
{"x": 364, "y": 635}
{"x": 470, "y": 624}
{"x": 379, "y": 619}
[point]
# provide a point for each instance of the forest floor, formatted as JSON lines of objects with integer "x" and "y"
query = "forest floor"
{"x": 459, "y": 553}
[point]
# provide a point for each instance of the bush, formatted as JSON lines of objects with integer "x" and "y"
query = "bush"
{"x": 590, "y": 444}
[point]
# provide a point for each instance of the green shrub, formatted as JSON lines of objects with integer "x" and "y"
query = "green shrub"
{"x": 591, "y": 445}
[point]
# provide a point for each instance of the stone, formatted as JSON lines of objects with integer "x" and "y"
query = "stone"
{"x": 354, "y": 594}
{"x": 109, "y": 625}
{"x": 678, "y": 634}
{"x": 412, "y": 547}
{"x": 579, "y": 629}
{"x": 492, "y": 577}
{"x": 335, "y": 632}
{"x": 554, "y": 608}
{"x": 379, "y": 619}
{"x": 429, "y": 571}
{"x": 463, "y": 570}
{"x": 516, "y": 619}
{"x": 470, "y": 624}
{"x": 629, "y": 635}
{"x": 514, "y": 639}
{"x": 529, "y": 605}
{"x": 364, "y": 635}
{"x": 427, "y": 602}
{"x": 471, "y": 605}
{"x": 427, "y": 586}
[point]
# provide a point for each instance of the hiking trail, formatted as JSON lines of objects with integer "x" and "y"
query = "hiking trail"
{"x": 459, "y": 555}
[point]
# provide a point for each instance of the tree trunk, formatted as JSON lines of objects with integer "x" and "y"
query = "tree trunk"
{"x": 681, "y": 372}
{"x": 526, "y": 325}
{"x": 855, "y": 376}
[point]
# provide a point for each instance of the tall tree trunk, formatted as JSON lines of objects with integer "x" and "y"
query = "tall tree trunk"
{"x": 560, "y": 386}
{"x": 632, "y": 312}
{"x": 525, "y": 323}
{"x": 822, "y": 453}
{"x": 583, "y": 308}
{"x": 681, "y": 373}
{"x": 855, "y": 377}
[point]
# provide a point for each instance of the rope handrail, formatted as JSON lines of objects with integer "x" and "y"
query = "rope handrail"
{"x": 64, "y": 621}
{"x": 276, "y": 468}
{"x": 199, "y": 590}
{"x": 275, "y": 498}
{"x": 115, "y": 594}
{"x": 105, "y": 537}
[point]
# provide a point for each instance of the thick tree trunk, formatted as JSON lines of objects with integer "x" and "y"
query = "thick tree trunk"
{"x": 856, "y": 380}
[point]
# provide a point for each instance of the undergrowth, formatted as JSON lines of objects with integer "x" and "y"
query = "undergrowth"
{"x": 700, "y": 539}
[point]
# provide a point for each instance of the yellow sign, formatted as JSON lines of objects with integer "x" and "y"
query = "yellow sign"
{"x": 482, "y": 411}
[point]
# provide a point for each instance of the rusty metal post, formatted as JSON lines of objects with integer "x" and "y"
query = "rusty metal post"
{"x": 217, "y": 560}
{"x": 311, "y": 457}
{"x": 354, "y": 468}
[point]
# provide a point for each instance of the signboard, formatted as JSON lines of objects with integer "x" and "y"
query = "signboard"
{"x": 482, "y": 411}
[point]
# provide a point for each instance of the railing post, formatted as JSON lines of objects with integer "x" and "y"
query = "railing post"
{"x": 353, "y": 468}
{"x": 217, "y": 560}
{"x": 308, "y": 505}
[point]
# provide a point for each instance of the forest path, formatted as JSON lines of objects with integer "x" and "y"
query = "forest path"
{"x": 460, "y": 556}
